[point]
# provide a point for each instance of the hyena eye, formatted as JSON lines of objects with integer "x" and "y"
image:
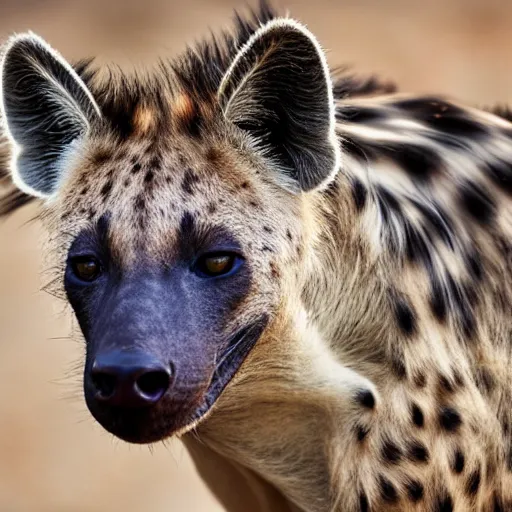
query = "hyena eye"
{"x": 217, "y": 264}
{"x": 86, "y": 268}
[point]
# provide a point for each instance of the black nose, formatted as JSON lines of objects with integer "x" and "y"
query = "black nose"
{"x": 129, "y": 379}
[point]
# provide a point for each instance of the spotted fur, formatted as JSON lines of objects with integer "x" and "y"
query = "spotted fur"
{"x": 382, "y": 381}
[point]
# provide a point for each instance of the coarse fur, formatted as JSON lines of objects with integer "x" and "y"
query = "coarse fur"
{"x": 382, "y": 379}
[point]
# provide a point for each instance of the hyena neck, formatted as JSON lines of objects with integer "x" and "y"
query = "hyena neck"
{"x": 345, "y": 290}
{"x": 291, "y": 398}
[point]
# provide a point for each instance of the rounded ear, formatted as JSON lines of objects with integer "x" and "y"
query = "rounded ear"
{"x": 46, "y": 108}
{"x": 279, "y": 89}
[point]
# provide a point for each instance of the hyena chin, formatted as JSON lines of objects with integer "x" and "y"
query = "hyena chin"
{"x": 308, "y": 280}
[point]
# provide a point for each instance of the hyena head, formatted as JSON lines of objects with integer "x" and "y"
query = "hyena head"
{"x": 175, "y": 208}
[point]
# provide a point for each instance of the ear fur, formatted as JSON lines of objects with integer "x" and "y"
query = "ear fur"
{"x": 279, "y": 89}
{"x": 46, "y": 108}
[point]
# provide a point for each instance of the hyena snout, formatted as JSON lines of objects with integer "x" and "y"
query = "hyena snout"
{"x": 129, "y": 379}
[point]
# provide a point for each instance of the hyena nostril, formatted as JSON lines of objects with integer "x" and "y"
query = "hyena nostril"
{"x": 105, "y": 384}
{"x": 129, "y": 379}
{"x": 153, "y": 384}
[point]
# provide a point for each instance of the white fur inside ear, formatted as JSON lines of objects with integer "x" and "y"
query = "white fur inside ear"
{"x": 56, "y": 92}
{"x": 15, "y": 175}
{"x": 292, "y": 24}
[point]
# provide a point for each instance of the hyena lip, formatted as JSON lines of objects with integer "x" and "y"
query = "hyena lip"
{"x": 175, "y": 416}
{"x": 230, "y": 362}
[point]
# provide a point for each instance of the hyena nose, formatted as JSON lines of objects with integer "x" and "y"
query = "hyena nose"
{"x": 129, "y": 379}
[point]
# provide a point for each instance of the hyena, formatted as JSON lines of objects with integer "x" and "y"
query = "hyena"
{"x": 304, "y": 276}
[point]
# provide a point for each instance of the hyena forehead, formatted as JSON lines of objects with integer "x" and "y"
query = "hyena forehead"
{"x": 148, "y": 188}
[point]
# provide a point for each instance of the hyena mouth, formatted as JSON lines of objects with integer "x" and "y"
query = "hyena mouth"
{"x": 230, "y": 362}
{"x": 180, "y": 408}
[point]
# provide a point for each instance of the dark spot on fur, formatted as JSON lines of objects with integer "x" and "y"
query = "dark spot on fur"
{"x": 212, "y": 208}
{"x": 387, "y": 490}
{"x": 190, "y": 179}
{"x": 365, "y": 398}
{"x": 468, "y": 323}
{"x": 245, "y": 185}
{"x": 418, "y": 161}
{"x": 398, "y": 367}
{"x": 462, "y": 307}
{"x": 387, "y": 203}
{"x": 136, "y": 168}
{"x": 266, "y": 248}
{"x": 449, "y": 419}
{"x": 444, "y": 503}
{"x": 363, "y": 503}
{"x": 420, "y": 380}
{"x": 356, "y": 149}
{"x": 501, "y": 174}
{"x": 445, "y": 384}
{"x": 442, "y": 116}
{"x": 437, "y": 221}
{"x": 359, "y": 193}
{"x": 477, "y": 202}
{"x": 148, "y": 178}
{"x": 193, "y": 124}
{"x": 213, "y": 155}
{"x": 473, "y": 482}
{"x": 155, "y": 163}
{"x": 417, "y": 416}
{"x": 289, "y": 235}
{"x": 84, "y": 191}
{"x": 484, "y": 380}
{"x": 187, "y": 223}
{"x": 418, "y": 452}
{"x": 405, "y": 316}
{"x": 390, "y": 452}
{"x": 358, "y": 114}
{"x": 505, "y": 425}
{"x": 101, "y": 156}
{"x": 361, "y": 432}
{"x": 509, "y": 458}
{"x": 140, "y": 202}
{"x": 415, "y": 490}
{"x": 267, "y": 229}
{"x": 254, "y": 204}
{"x": 497, "y": 504}
{"x": 438, "y": 302}
{"x": 416, "y": 247}
{"x": 106, "y": 189}
{"x": 458, "y": 378}
{"x": 126, "y": 182}
{"x": 470, "y": 293}
{"x": 474, "y": 264}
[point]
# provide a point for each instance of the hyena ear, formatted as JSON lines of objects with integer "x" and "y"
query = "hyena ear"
{"x": 46, "y": 108}
{"x": 278, "y": 88}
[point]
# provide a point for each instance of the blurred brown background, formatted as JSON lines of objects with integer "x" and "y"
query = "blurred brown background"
{"x": 52, "y": 456}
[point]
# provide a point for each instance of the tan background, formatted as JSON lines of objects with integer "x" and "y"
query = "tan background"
{"x": 52, "y": 456}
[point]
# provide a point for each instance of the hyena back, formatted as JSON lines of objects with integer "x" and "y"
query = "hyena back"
{"x": 306, "y": 280}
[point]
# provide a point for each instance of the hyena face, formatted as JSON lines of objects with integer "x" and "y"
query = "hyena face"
{"x": 174, "y": 209}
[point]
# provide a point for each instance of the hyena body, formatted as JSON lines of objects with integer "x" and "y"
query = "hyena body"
{"x": 354, "y": 354}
